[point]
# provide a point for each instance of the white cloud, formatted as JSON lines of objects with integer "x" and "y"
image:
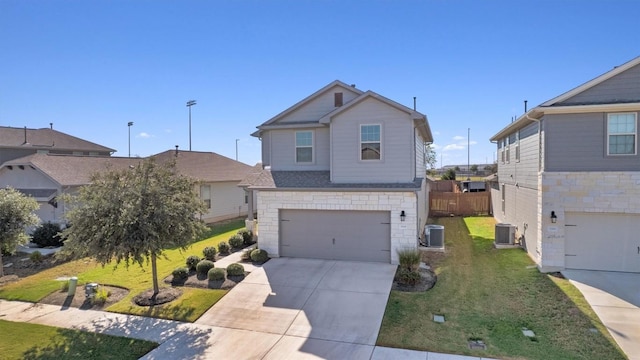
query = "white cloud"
{"x": 144, "y": 135}
{"x": 451, "y": 147}
{"x": 459, "y": 137}
{"x": 435, "y": 146}
{"x": 472, "y": 142}
{"x": 168, "y": 131}
{"x": 436, "y": 133}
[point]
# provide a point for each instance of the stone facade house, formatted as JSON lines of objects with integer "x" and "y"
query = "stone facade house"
{"x": 569, "y": 176}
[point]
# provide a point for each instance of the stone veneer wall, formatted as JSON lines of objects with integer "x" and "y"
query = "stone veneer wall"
{"x": 403, "y": 234}
{"x": 594, "y": 192}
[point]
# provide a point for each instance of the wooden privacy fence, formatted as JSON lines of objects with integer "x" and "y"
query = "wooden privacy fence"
{"x": 459, "y": 204}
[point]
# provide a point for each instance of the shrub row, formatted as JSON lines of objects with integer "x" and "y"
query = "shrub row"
{"x": 207, "y": 267}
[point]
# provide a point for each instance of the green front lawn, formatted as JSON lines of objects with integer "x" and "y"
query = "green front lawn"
{"x": 491, "y": 295}
{"x": 31, "y": 341}
{"x": 193, "y": 302}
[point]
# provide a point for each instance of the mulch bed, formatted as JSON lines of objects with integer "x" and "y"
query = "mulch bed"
{"x": 427, "y": 280}
{"x": 200, "y": 281}
{"x": 79, "y": 300}
{"x": 23, "y": 267}
{"x": 164, "y": 296}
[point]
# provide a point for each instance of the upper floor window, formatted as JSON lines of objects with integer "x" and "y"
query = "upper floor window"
{"x": 370, "y": 142}
{"x": 337, "y": 99}
{"x": 621, "y": 134}
{"x": 518, "y": 146}
{"x": 304, "y": 146}
{"x": 205, "y": 195}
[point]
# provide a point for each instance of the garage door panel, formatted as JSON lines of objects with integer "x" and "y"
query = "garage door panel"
{"x": 602, "y": 241}
{"x": 335, "y": 234}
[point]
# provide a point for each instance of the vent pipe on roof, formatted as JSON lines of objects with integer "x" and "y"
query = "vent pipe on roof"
{"x": 525, "y": 106}
{"x": 353, "y": 85}
{"x": 25, "y": 135}
{"x": 51, "y": 126}
{"x": 176, "y": 150}
{"x": 414, "y": 103}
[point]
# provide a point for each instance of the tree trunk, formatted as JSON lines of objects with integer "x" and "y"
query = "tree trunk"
{"x": 1, "y": 265}
{"x": 154, "y": 272}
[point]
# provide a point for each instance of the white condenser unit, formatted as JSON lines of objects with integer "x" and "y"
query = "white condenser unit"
{"x": 505, "y": 234}
{"x": 434, "y": 235}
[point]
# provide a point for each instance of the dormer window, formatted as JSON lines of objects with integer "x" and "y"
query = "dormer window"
{"x": 337, "y": 99}
{"x": 304, "y": 146}
{"x": 370, "y": 148}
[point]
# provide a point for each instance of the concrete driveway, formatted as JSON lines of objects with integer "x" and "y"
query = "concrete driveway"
{"x": 304, "y": 308}
{"x": 615, "y": 298}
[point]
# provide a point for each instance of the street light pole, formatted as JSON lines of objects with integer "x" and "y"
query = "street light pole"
{"x": 237, "y": 149}
{"x": 190, "y": 103}
{"x": 468, "y": 152}
{"x": 129, "y": 125}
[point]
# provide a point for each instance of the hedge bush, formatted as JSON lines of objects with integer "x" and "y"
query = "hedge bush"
{"x": 180, "y": 273}
{"x": 223, "y": 247}
{"x": 259, "y": 255}
{"x": 247, "y": 236}
{"x": 210, "y": 253}
{"x": 236, "y": 241}
{"x": 408, "y": 277}
{"x": 47, "y": 234}
{"x": 36, "y": 257}
{"x": 192, "y": 262}
{"x": 235, "y": 270}
{"x": 215, "y": 274}
{"x": 204, "y": 266}
{"x": 246, "y": 255}
{"x": 409, "y": 259}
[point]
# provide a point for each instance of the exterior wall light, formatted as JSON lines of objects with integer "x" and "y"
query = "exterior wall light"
{"x": 402, "y": 215}
{"x": 554, "y": 218}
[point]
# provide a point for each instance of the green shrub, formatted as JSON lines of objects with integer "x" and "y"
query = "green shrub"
{"x": 408, "y": 277}
{"x": 223, "y": 247}
{"x": 47, "y": 234}
{"x": 36, "y": 257}
{"x": 235, "y": 270}
{"x": 210, "y": 253}
{"x": 236, "y": 241}
{"x": 192, "y": 262}
{"x": 259, "y": 255}
{"x": 215, "y": 274}
{"x": 180, "y": 273}
{"x": 101, "y": 296}
{"x": 204, "y": 266}
{"x": 246, "y": 255}
{"x": 247, "y": 236}
{"x": 409, "y": 259}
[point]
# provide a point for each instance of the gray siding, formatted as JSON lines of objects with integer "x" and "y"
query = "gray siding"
{"x": 318, "y": 107}
{"x": 624, "y": 87}
{"x": 420, "y": 167}
{"x": 521, "y": 210}
{"x": 266, "y": 148}
{"x": 577, "y": 142}
{"x": 397, "y": 144}
{"x": 282, "y": 150}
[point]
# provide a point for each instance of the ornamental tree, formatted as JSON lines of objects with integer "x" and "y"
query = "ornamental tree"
{"x": 16, "y": 214}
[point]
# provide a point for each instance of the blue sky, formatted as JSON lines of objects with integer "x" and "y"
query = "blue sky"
{"x": 90, "y": 67}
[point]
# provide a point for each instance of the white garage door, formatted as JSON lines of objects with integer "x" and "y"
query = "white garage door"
{"x": 597, "y": 241}
{"x": 336, "y": 235}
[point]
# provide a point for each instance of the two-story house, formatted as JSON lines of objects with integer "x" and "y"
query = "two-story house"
{"x": 344, "y": 177}
{"x": 569, "y": 176}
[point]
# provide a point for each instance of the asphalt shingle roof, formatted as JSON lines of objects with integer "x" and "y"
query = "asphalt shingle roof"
{"x": 206, "y": 166}
{"x": 45, "y": 138}
{"x": 268, "y": 179}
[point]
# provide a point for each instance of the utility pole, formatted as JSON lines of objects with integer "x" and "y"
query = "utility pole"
{"x": 468, "y": 153}
{"x": 190, "y": 103}
{"x": 130, "y": 124}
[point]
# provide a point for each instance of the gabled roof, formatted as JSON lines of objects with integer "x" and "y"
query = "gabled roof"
{"x": 547, "y": 107}
{"x": 45, "y": 138}
{"x": 70, "y": 170}
{"x": 419, "y": 118}
{"x": 591, "y": 83}
{"x": 206, "y": 166}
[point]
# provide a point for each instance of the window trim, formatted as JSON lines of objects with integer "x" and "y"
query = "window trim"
{"x": 360, "y": 142}
{"x": 207, "y": 201}
{"x": 296, "y": 146}
{"x": 635, "y": 134}
{"x": 517, "y": 146}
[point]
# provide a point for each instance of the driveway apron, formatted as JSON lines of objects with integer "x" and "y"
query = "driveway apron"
{"x": 615, "y": 298}
{"x": 319, "y": 308}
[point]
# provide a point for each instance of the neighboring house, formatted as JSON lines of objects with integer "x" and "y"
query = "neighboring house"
{"x": 344, "y": 177}
{"x": 46, "y": 176}
{"x": 19, "y": 142}
{"x": 569, "y": 176}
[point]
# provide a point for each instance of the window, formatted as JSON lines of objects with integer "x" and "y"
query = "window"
{"x": 621, "y": 131}
{"x": 337, "y": 99}
{"x": 205, "y": 195}
{"x": 507, "y": 154}
{"x": 518, "y": 146}
{"x": 246, "y": 198}
{"x": 304, "y": 146}
{"x": 370, "y": 142}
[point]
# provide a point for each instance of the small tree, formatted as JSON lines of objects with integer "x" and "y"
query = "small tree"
{"x": 429, "y": 156}
{"x": 450, "y": 174}
{"x": 132, "y": 215}
{"x": 474, "y": 168}
{"x": 16, "y": 213}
